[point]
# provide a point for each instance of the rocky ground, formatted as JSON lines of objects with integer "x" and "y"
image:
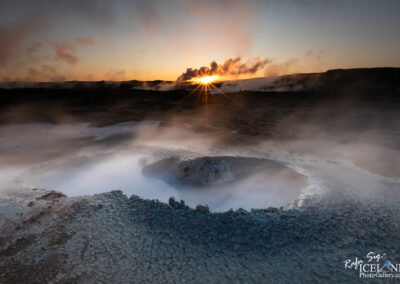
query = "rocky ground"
{"x": 214, "y": 171}
{"x": 47, "y": 237}
{"x": 110, "y": 238}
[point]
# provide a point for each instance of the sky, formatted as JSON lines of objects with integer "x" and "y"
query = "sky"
{"x": 47, "y": 40}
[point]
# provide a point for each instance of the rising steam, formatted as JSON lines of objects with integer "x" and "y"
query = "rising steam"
{"x": 231, "y": 67}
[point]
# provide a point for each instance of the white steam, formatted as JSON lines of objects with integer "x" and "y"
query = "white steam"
{"x": 80, "y": 160}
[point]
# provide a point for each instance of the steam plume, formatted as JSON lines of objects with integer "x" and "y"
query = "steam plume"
{"x": 231, "y": 67}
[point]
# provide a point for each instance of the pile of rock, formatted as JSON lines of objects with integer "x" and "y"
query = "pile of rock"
{"x": 206, "y": 171}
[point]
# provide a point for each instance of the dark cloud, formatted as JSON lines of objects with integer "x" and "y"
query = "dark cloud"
{"x": 231, "y": 67}
{"x": 65, "y": 52}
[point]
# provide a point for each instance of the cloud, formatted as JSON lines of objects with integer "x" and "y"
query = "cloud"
{"x": 40, "y": 18}
{"x": 65, "y": 52}
{"x": 33, "y": 48}
{"x": 282, "y": 68}
{"x": 45, "y": 74}
{"x": 116, "y": 75}
{"x": 186, "y": 29}
{"x": 34, "y": 73}
{"x": 317, "y": 56}
{"x": 86, "y": 40}
{"x": 207, "y": 28}
{"x": 231, "y": 67}
{"x": 50, "y": 12}
{"x": 192, "y": 28}
{"x": 48, "y": 69}
{"x": 10, "y": 40}
{"x": 316, "y": 3}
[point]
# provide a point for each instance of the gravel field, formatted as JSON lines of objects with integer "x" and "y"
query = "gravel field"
{"x": 93, "y": 174}
{"x": 110, "y": 238}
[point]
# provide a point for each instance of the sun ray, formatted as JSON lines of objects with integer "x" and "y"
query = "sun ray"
{"x": 200, "y": 94}
{"x": 206, "y": 92}
{"x": 206, "y": 100}
{"x": 186, "y": 97}
{"x": 225, "y": 95}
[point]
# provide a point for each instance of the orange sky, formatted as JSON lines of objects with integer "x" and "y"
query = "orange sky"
{"x": 121, "y": 40}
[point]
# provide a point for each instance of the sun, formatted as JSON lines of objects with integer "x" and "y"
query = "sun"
{"x": 205, "y": 80}
{"x": 206, "y": 91}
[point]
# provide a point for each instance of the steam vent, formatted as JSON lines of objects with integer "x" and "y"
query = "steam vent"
{"x": 199, "y": 141}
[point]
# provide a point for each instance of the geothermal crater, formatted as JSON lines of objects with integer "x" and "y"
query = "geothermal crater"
{"x": 224, "y": 173}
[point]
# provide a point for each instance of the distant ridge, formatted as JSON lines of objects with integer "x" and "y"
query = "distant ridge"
{"x": 379, "y": 77}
